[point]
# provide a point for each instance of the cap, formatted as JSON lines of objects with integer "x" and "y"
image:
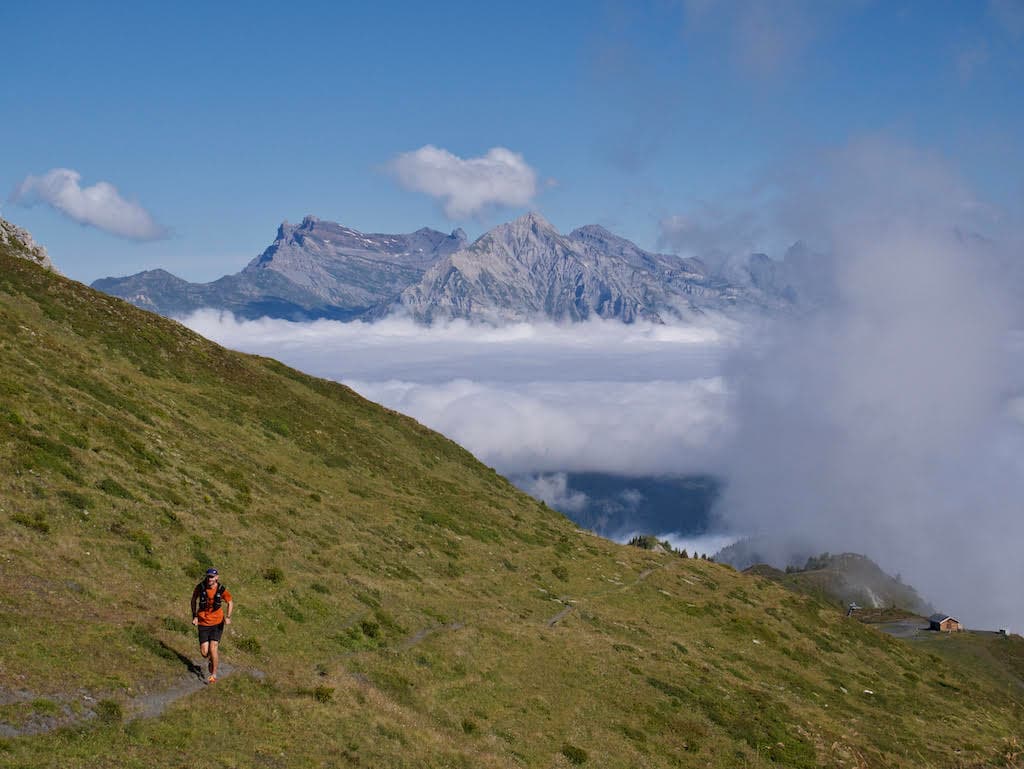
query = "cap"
{"x": 211, "y": 572}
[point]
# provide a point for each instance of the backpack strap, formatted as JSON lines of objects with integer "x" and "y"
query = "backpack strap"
{"x": 204, "y": 599}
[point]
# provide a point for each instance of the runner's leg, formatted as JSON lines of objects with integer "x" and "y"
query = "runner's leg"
{"x": 214, "y": 657}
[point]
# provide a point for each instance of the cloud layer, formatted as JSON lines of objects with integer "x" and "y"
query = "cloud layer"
{"x": 598, "y": 396}
{"x": 466, "y": 186}
{"x": 100, "y": 205}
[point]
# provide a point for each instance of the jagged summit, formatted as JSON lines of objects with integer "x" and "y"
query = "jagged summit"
{"x": 534, "y": 220}
{"x": 522, "y": 269}
{"x": 531, "y": 222}
{"x": 525, "y": 269}
{"x": 529, "y": 239}
{"x": 314, "y": 269}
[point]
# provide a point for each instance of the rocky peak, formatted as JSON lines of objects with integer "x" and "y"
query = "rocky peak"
{"x": 285, "y": 230}
{"x": 535, "y": 223}
{"x": 529, "y": 229}
{"x": 21, "y": 242}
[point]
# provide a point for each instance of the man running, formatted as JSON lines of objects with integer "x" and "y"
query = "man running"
{"x": 208, "y": 615}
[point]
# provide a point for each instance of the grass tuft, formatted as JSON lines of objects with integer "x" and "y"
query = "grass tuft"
{"x": 575, "y": 755}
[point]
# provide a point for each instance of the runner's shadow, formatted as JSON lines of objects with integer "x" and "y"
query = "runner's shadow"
{"x": 193, "y": 668}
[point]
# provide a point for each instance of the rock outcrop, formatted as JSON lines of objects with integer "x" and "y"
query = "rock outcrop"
{"x": 21, "y": 243}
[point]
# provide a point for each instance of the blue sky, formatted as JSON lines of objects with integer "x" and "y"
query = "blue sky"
{"x": 214, "y": 122}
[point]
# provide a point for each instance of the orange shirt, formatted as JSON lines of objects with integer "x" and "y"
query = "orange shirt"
{"x": 212, "y": 617}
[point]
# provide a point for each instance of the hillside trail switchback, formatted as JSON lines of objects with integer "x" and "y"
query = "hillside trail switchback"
{"x": 572, "y": 604}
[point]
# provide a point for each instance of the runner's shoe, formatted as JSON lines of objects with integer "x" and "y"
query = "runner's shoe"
{"x": 212, "y": 680}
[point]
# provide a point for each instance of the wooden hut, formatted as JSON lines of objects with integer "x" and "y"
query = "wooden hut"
{"x": 944, "y": 623}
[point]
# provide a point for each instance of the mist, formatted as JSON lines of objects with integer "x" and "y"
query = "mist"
{"x": 885, "y": 421}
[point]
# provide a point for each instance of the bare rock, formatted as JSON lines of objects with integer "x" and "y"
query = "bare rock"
{"x": 21, "y": 244}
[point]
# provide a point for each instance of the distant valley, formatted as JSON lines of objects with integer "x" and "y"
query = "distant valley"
{"x": 618, "y": 507}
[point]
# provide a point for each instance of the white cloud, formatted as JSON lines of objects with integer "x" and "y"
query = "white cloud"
{"x": 100, "y": 205}
{"x": 631, "y": 498}
{"x": 553, "y": 488}
{"x": 466, "y": 186}
{"x": 597, "y": 396}
{"x": 710, "y": 232}
{"x": 627, "y": 428}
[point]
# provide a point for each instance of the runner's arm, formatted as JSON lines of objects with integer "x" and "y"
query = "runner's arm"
{"x": 227, "y": 614}
{"x": 195, "y": 599}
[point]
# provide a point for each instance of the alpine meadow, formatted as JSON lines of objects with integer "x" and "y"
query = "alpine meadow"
{"x": 399, "y": 604}
{"x": 632, "y": 384}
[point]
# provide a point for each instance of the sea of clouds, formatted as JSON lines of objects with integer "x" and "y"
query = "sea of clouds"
{"x": 534, "y": 400}
{"x": 601, "y": 396}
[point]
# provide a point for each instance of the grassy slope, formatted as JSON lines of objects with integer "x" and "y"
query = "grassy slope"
{"x": 844, "y": 578}
{"x": 133, "y": 453}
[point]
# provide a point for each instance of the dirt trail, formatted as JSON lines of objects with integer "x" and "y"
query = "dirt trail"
{"x": 153, "y": 704}
{"x": 149, "y": 705}
{"x": 558, "y": 617}
{"x": 572, "y": 604}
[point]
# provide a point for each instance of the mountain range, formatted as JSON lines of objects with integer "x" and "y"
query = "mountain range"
{"x": 520, "y": 270}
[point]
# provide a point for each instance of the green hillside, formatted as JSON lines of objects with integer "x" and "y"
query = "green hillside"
{"x": 847, "y": 578}
{"x": 398, "y": 603}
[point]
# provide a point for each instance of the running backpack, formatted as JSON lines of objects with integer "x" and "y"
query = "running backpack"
{"x": 204, "y": 599}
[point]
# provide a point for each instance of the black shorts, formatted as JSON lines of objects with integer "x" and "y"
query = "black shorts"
{"x": 210, "y": 633}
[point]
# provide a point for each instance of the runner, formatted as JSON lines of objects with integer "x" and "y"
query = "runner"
{"x": 208, "y": 615}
